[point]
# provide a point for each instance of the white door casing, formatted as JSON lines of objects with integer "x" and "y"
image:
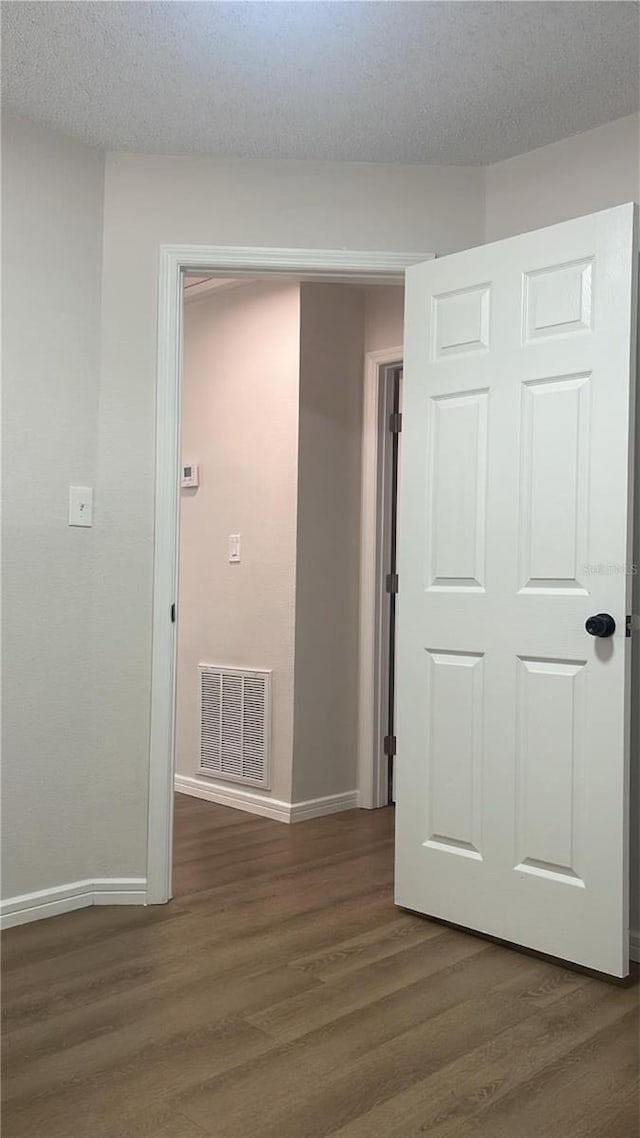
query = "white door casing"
{"x": 317, "y": 264}
{"x": 375, "y": 521}
{"x": 514, "y": 527}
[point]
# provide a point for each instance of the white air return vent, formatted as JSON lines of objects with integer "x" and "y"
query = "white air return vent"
{"x": 235, "y": 721}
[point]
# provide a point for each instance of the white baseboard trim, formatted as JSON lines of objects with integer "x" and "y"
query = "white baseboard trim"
{"x": 75, "y": 895}
{"x": 240, "y": 799}
{"x": 235, "y": 796}
{"x": 331, "y": 804}
{"x": 120, "y": 891}
{"x": 634, "y": 946}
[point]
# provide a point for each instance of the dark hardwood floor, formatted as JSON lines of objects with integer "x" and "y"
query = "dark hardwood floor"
{"x": 282, "y": 995}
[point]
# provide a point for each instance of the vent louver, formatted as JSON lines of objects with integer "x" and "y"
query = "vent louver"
{"x": 235, "y": 724}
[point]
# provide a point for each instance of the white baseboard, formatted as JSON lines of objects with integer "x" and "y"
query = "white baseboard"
{"x": 634, "y": 946}
{"x": 240, "y": 799}
{"x": 234, "y": 796}
{"x": 331, "y": 804}
{"x": 75, "y": 895}
{"x": 120, "y": 891}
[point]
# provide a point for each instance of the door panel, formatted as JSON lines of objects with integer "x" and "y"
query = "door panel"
{"x": 514, "y": 527}
{"x": 557, "y": 300}
{"x": 550, "y": 770}
{"x": 456, "y": 506}
{"x": 554, "y": 482}
{"x": 454, "y": 752}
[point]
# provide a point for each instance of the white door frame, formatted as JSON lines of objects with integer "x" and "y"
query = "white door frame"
{"x": 317, "y": 264}
{"x": 376, "y": 439}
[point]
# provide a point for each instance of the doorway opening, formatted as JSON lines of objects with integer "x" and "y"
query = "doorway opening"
{"x": 226, "y": 293}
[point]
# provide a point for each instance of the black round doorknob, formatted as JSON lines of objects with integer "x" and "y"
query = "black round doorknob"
{"x": 602, "y": 624}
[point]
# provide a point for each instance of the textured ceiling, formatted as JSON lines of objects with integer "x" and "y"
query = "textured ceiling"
{"x": 452, "y": 82}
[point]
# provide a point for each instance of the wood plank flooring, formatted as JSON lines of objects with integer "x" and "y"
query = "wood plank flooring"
{"x": 282, "y": 995}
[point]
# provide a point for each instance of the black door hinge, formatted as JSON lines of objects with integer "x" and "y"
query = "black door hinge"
{"x": 629, "y": 625}
{"x": 173, "y": 614}
{"x": 390, "y": 745}
{"x": 391, "y": 583}
{"x": 395, "y": 422}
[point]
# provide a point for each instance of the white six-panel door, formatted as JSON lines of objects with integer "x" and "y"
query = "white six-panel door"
{"x": 514, "y": 528}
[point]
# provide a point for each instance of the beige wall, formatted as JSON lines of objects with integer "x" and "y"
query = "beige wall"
{"x": 255, "y": 356}
{"x": 383, "y": 317}
{"x": 591, "y": 171}
{"x": 328, "y": 566}
{"x": 51, "y": 269}
{"x": 240, "y": 424}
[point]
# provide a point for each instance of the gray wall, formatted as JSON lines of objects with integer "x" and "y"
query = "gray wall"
{"x": 51, "y": 271}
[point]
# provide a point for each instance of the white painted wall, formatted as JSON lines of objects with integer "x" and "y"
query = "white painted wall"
{"x": 325, "y": 740}
{"x": 51, "y": 272}
{"x": 591, "y": 171}
{"x": 240, "y": 424}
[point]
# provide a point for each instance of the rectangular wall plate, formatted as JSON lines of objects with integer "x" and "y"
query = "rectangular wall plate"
{"x": 190, "y": 475}
{"x": 80, "y": 505}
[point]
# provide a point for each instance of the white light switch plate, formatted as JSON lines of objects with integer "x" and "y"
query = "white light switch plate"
{"x": 80, "y": 506}
{"x": 234, "y": 548}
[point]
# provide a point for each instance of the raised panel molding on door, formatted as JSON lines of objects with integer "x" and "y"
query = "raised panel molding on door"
{"x": 515, "y": 502}
{"x": 456, "y": 506}
{"x": 454, "y": 752}
{"x": 558, "y": 300}
{"x": 461, "y": 322}
{"x": 554, "y": 483}
{"x": 550, "y": 775}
